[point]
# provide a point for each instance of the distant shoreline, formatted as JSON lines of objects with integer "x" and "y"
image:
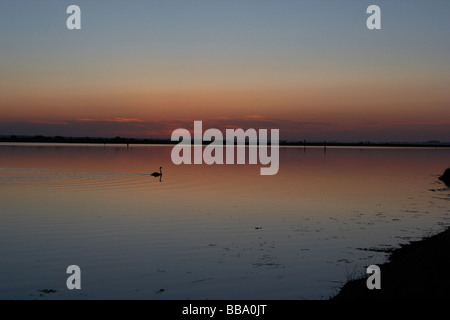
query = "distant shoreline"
{"x": 153, "y": 141}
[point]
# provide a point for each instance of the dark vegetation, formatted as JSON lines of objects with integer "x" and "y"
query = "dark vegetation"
{"x": 417, "y": 270}
{"x": 122, "y": 140}
{"x": 446, "y": 177}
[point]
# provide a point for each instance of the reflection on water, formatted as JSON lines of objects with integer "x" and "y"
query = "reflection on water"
{"x": 207, "y": 232}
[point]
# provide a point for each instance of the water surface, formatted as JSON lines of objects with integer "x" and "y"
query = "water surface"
{"x": 207, "y": 232}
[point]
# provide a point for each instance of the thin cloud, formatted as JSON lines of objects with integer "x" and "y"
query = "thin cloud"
{"x": 111, "y": 120}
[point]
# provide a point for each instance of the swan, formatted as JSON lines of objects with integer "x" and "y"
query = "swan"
{"x": 157, "y": 174}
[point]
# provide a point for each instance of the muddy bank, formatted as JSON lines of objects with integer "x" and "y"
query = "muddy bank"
{"x": 418, "y": 270}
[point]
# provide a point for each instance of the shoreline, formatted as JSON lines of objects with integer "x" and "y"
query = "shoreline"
{"x": 414, "y": 271}
{"x": 155, "y": 141}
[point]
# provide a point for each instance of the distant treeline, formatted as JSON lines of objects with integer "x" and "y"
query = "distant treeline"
{"x": 122, "y": 140}
{"x": 96, "y": 140}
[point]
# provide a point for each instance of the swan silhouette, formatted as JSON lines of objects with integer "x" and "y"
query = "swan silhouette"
{"x": 157, "y": 174}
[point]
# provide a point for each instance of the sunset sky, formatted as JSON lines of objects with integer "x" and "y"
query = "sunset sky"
{"x": 144, "y": 68}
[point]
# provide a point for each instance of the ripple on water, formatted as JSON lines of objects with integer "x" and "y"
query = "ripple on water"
{"x": 67, "y": 180}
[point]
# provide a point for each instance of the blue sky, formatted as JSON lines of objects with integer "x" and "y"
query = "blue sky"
{"x": 184, "y": 60}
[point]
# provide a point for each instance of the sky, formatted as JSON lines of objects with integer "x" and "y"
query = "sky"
{"x": 311, "y": 69}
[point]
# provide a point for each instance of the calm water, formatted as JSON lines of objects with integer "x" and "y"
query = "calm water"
{"x": 207, "y": 232}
